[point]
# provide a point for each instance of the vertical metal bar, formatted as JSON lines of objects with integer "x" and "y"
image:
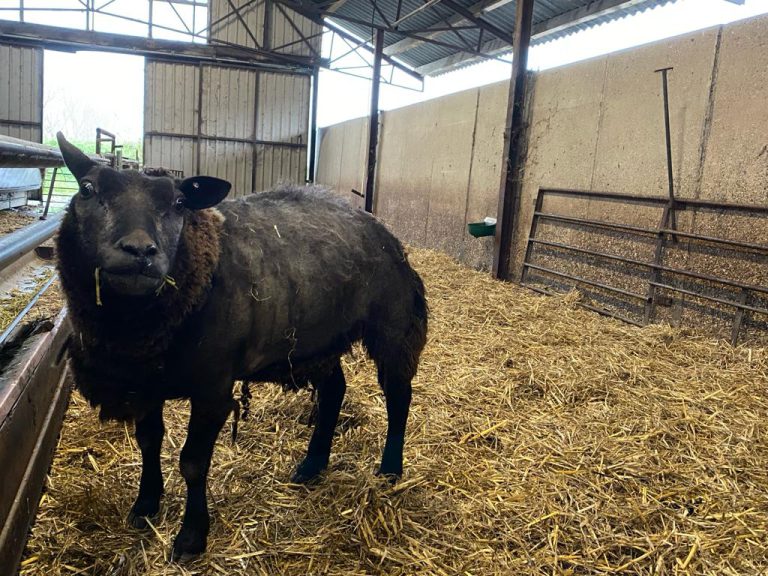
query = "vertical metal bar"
{"x": 532, "y": 234}
{"x": 267, "y": 40}
{"x": 40, "y": 92}
{"x": 738, "y": 318}
{"x": 50, "y": 193}
{"x": 313, "y": 126}
{"x": 151, "y": 16}
{"x": 665, "y": 94}
{"x": 199, "y": 116}
{"x": 668, "y": 144}
{"x": 254, "y": 152}
{"x": 21, "y": 10}
{"x": 650, "y": 303}
{"x": 373, "y": 122}
{"x": 511, "y": 186}
{"x": 668, "y": 219}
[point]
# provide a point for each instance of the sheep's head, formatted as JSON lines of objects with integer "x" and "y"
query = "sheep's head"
{"x": 129, "y": 224}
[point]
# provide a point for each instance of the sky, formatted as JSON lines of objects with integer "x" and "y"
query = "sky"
{"x": 111, "y": 94}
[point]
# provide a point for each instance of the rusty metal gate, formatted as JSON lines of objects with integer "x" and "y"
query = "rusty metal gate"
{"x": 642, "y": 259}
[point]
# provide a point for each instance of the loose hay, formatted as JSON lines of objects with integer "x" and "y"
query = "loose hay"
{"x": 47, "y": 305}
{"x": 12, "y": 220}
{"x": 543, "y": 439}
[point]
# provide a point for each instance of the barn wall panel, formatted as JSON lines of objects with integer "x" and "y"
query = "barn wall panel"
{"x": 21, "y": 92}
{"x": 245, "y": 125}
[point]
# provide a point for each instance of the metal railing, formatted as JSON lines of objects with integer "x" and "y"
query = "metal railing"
{"x": 748, "y": 299}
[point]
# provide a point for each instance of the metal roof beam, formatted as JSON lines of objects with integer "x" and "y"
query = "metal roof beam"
{"x": 55, "y": 37}
{"x": 479, "y": 22}
{"x": 407, "y": 43}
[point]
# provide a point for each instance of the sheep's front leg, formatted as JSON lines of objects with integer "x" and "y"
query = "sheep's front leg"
{"x": 208, "y": 417}
{"x": 149, "y": 436}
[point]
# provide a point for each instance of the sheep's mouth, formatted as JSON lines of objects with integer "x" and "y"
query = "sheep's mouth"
{"x": 132, "y": 283}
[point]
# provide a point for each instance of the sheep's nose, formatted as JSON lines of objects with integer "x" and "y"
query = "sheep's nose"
{"x": 137, "y": 243}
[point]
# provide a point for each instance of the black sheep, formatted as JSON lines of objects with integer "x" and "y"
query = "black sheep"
{"x": 171, "y": 298}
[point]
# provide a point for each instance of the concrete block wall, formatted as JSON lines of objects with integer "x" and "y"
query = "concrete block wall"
{"x": 596, "y": 124}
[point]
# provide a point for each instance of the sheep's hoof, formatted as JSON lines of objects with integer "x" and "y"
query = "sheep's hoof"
{"x": 308, "y": 472}
{"x": 142, "y": 510}
{"x": 391, "y": 476}
{"x": 188, "y": 545}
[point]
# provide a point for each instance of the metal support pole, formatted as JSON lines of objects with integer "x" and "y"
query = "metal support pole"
{"x": 50, "y": 193}
{"x": 313, "y": 126}
{"x": 373, "y": 122}
{"x": 511, "y": 185}
{"x": 668, "y": 218}
{"x": 668, "y": 143}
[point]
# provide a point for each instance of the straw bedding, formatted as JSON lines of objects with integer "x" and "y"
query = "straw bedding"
{"x": 12, "y": 303}
{"x": 12, "y": 220}
{"x": 543, "y": 439}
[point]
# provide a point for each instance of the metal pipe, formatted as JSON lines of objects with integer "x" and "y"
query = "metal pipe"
{"x": 710, "y": 298}
{"x": 16, "y": 153}
{"x": 601, "y": 311}
{"x": 697, "y": 275}
{"x": 596, "y": 223}
{"x": 585, "y": 281}
{"x": 749, "y": 245}
{"x": 667, "y": 136}
{"x": 22, "y": 154}
{"x": 313, "y": 127}
{"x": 50, "y": 193}
{"x": 373, "y": 123}
{"x": 680, "y": 203}
{"x": 13, "y": 246}
{"x": 20, "y": 316}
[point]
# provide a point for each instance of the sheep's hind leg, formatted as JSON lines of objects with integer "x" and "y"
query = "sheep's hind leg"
{"x": 149, "y": 436}
{"x": 397, "y": 389}
{"x": 205, "y": 423}
{"x": 330, "y": 394}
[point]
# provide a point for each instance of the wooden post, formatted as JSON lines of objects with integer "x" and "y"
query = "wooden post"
{"x": 373, "y": 122}
{"x": 512, "y": 167}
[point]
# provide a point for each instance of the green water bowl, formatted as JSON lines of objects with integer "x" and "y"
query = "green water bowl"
{"x": 479, "y": 229}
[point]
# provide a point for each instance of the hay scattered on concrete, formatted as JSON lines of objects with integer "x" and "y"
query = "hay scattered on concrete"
{"x": 544, "y": 439}
{"x": 12, "y": 220}
{"x": 14, "y": 302}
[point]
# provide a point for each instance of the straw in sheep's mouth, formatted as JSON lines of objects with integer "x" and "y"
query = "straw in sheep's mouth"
{"x": 97, "y": 273}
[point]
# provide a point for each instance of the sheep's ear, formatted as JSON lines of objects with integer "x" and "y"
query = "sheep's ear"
{"x": 203, "y": 191}
{"x": 77, "y": 162}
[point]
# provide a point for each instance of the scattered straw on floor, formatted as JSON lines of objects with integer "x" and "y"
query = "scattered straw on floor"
{"x": 543, "y": 439}
{"x": 14, "y": 302}
{"x": 12, "y": 220}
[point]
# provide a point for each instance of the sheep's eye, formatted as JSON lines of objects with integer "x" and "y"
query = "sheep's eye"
{"x": 86, "y": 189}
{"x": 179, "y": 203}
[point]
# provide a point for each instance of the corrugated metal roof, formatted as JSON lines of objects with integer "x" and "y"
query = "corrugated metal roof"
{"x": 449, "y": 49}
